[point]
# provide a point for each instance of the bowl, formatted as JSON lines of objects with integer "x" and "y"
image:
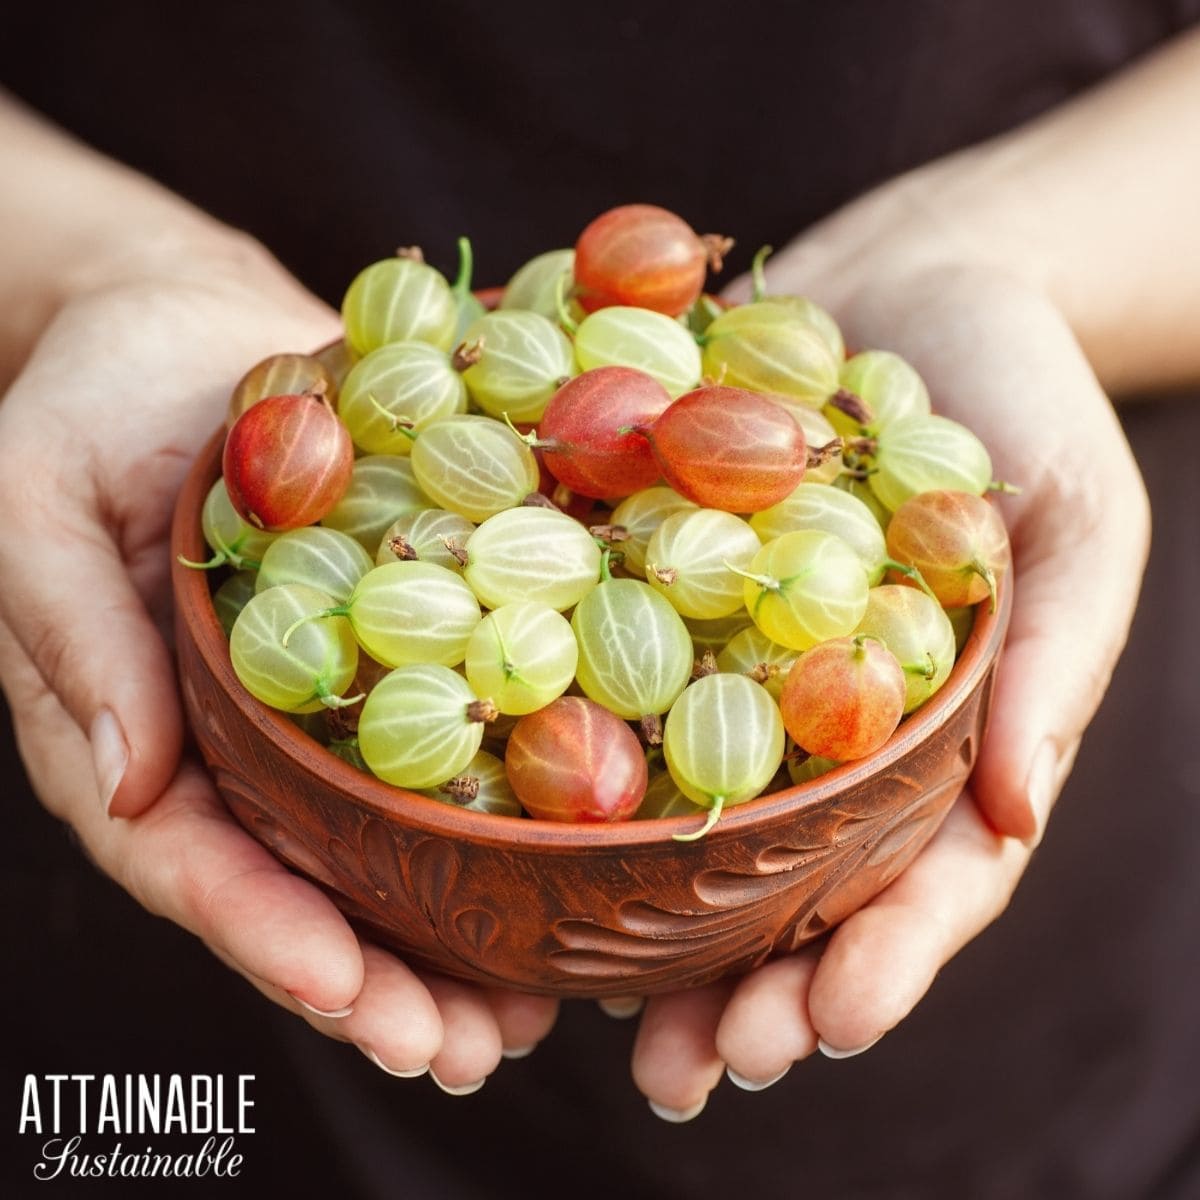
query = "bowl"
{"x": 572, "y": 910}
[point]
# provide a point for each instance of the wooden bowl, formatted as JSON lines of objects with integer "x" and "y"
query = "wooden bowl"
{"x": 572, "y": 910}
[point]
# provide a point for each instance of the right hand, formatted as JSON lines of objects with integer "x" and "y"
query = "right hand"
{"x": 1000, "y": 357}
{"x": 96, "y": 434}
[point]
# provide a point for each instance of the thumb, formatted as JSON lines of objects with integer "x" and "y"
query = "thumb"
{"x": 1074, "y": 598}
{"x": 69, "y": 602}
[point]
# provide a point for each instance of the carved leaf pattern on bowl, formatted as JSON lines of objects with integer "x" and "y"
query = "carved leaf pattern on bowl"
{"x": 775, "y": 889}
{"x": 581, "y": 916}
{"x": 788, "y": 895}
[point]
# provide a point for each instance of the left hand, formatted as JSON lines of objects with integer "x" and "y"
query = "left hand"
{"x": 125, "y": 384}
{"x": 999, "y": 357}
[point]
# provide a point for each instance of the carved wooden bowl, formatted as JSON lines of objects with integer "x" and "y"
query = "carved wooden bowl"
{"x": 573, "y": 910}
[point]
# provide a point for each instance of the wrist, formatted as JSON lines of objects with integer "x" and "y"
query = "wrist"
{"x": 963, "y": 214}
{"x": 983, "y": 204}
{"x": 1087, "y": 206}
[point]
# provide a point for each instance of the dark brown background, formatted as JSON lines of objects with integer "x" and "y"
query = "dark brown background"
{"x": 1058, "y": 1055}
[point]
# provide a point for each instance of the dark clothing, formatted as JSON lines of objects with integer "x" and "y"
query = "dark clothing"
{"x": 336, "y": 132}
{"x": 1058, "y": 1055}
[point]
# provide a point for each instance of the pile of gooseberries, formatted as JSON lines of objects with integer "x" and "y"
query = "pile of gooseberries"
{"x": 609, "y": 550}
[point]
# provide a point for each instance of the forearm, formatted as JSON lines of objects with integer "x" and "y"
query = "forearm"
{"x": 1095, "y": 204}
{"x": 75, "y": 221}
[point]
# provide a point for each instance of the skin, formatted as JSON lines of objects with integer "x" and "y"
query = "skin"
{"x": 1064, "y": 238}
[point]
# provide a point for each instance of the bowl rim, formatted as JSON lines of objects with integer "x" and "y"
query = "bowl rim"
{"x": 392, "y": 804}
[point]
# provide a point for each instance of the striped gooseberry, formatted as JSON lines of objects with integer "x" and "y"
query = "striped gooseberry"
{"x": 287, "y": 461}
{"x": 573, "y": 760}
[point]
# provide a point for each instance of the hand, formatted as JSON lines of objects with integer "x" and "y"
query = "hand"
{"x": 96, "y": 434}
{"x": 998, "y": 357}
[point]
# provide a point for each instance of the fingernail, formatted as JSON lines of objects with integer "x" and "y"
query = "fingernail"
{"x": 519, "y": 1051}
{"x": 833, "y": 1052}
{"x": 677, "y": 1116}
{"x": 415, "y": 1073}
{"x": 332, "y": 1014}
{"x": 621, "y": 1007}
{"x": 1039, "y": 787}
{"x": 110, "y": 754}
{"x": 753, "y": 1085}
{"x": 463, "y": 1089}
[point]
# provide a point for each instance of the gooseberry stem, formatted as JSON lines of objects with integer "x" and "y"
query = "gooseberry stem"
{"x": 341, "y": 610}
{"x": 466, "y": 266}
{"x": 714, "y": 814}
{"x": 560, "y": 303}
{"x": 767, "y": 582}
{"x": 218, "y": 560}
{"x": 506, "y": 663}
{"x": 860, "y": 640}
{"x": 989, "y": 577}
{"x": 1004, "y": 488}
{"x": 331, "y": 700}
{"x": 531, "y": 438}
{"x": 890, "y": 564}
{"x": 926, "y": 670}
{"x": 758, "y": 275}
{"x": 223, "y": 554}
{"x": 401, "y": 424}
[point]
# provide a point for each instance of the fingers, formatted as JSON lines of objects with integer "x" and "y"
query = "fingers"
{"x": 881, "y": 961}
{"x": 523, "y": 1020}
{"x": 1080, "y": 540}
{"x": 765, "y": 1028}
{"x": 621, "y": 1008}
{"x": 394, "y": 1022}
{"x": 1076, "y": 581}
{"x": 675, "y": 1058}
{"x": 472, "y": 1045}
{"x": 188, "y": 861}
{"x": 69, "y": 602}
{"x": 842, "y": 999}
{"x": 279, "y": 929}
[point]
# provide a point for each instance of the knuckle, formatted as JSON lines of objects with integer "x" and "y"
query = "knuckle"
{"x": 52, "y": 651}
